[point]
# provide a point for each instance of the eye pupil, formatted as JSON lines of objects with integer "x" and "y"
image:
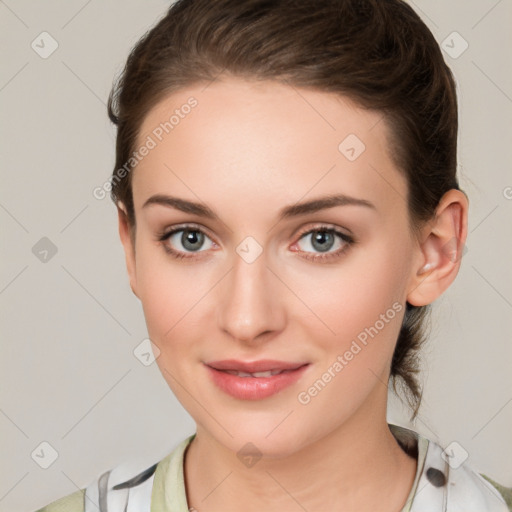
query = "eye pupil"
{"x": 193, "y": 237}
{"x": 320, "y": 237}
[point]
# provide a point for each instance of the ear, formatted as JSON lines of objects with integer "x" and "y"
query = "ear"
{"x": 440, "y": 250}
{"x": 127, "y": 235}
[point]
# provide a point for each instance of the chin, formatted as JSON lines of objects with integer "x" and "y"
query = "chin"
{"x": 272, "y": 447}
{"x": 267, "y": 436}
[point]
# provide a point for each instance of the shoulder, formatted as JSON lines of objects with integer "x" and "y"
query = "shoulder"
{"x": 506, "y": 492}
{"x": 448, "y": 483}
{"x": 113, "y": 486}
{"x": 74, "y": 502}
{"x": 130, "y": 486}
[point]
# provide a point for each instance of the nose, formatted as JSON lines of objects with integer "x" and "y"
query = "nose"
{"x": 251, "y": 307}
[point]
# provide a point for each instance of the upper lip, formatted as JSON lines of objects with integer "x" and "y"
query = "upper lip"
{"x": 254, "y": 366}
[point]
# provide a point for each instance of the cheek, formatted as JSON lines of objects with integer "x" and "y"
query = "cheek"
{"x": 355, "y": 321}
{"x": 172, "y": 296}
{"x": 344, "y": 301}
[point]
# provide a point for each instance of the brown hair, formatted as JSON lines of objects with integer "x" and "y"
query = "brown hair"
{"x": 379, "y": 53}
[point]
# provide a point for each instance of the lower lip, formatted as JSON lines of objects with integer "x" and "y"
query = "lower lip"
{"x": 254, "y": 388}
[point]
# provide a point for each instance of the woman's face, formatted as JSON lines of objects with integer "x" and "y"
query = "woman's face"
{"x": 249, "y": 283}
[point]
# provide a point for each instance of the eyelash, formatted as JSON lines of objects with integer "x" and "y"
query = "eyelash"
{"x": 349, "y": 241}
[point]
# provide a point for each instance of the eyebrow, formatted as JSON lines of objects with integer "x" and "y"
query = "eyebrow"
{"x": 293, "y": 210}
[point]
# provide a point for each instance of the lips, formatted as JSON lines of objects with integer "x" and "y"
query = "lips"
{"x": 254, "y": 380}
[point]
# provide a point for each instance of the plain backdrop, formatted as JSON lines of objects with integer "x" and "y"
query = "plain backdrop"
{"x": 69, "y": 322}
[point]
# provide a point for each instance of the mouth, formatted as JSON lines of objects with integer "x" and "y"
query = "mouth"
{"x": 254, "y": 367}
{"x": 268, "y": 373}
{"x": 254, "y": 380}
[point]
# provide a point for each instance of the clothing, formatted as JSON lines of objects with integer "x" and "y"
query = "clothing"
{"x": 437, "y": 487}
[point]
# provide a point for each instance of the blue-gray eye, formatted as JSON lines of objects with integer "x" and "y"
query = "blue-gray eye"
{"x": 191, "y": 240}
{"x": 323, "y": 240}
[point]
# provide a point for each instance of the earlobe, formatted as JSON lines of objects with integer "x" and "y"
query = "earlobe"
{"x": 128, "y": 241}
{"x": 441, "y": 250}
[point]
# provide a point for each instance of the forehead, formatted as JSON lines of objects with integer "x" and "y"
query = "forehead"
{"x": 265, "y": 138}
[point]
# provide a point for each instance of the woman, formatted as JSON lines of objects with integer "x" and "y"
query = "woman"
{"x": 288, "y": 204}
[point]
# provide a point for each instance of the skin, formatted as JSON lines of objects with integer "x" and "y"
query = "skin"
{"x": 247, "y": 150}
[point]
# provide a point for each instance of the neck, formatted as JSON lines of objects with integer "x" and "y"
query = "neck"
{"x": 359, "y": 465}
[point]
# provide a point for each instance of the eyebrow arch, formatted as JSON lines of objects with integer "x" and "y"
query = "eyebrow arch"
{"x": 322, "y": 203}
{"x": 293, "y": 210}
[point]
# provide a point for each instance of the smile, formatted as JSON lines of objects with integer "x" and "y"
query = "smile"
{"x": 256, "y": 380}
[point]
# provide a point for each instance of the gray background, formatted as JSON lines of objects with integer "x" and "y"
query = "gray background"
{"x": 70, "y": 324}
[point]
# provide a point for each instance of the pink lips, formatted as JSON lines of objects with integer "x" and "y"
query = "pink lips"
{"x": 282, "y": 374}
